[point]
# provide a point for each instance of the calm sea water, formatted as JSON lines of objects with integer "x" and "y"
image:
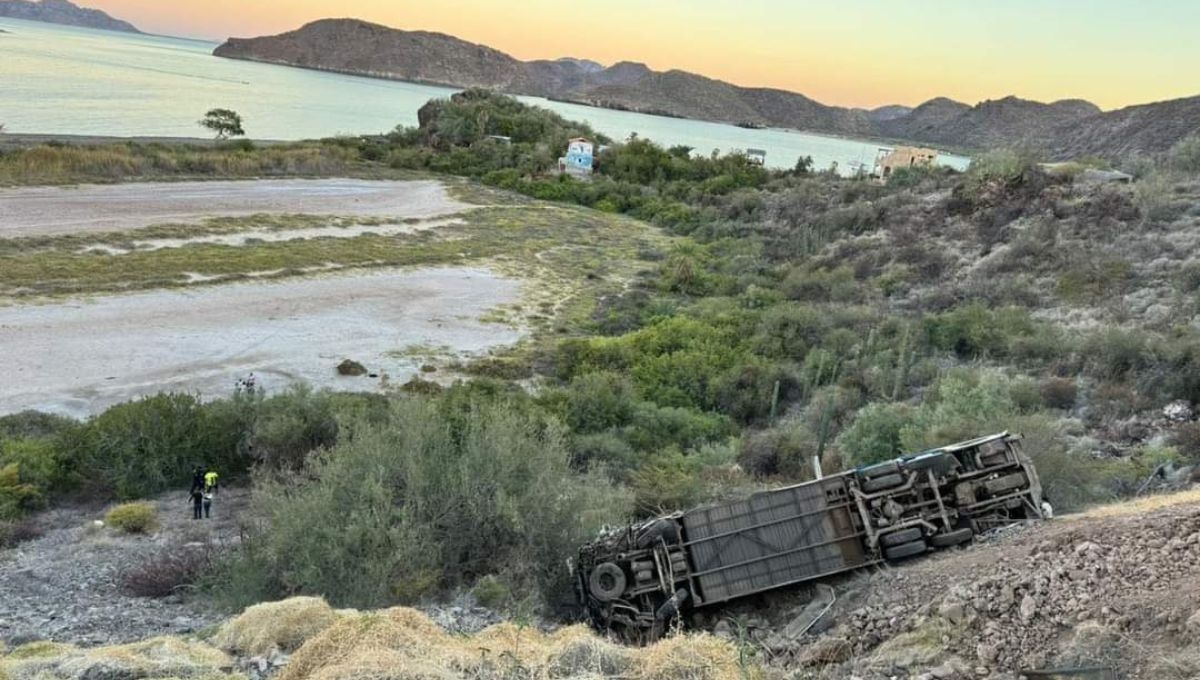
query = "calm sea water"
{"x": 62, "y": 80}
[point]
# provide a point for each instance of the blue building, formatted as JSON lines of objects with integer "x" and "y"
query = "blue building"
{"x": 580, "y": 158}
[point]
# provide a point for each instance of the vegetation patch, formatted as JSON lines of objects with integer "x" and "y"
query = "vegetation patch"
{"x": 133, "y": 518}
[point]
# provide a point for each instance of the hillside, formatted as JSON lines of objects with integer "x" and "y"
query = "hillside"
{"x": 1066, "y": 128}
{"x": 1135, "y": 130}
{"x": 1115, "y": 588}
{"x": 352, "y": 46}
{"x": 63, "y": 12}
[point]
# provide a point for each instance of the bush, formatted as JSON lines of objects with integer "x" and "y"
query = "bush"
{"x": 491, "y": 592}
{"x": 1186, "y": 439}
{"x": 874, "y": 435}
{"x": 291, "y": 425}
{"x": 783, "y": 450}
{"x": 454, "y": 487}
{"x": 133, "y": 518}
{"x": 1185, "y": 155}
{"x": 14, "y": 533}
{"x": 1059, "y": 393}
{"x": 142, "y": 447}
{"x": 175, "y": 568}
{"x": 600, "y": 401}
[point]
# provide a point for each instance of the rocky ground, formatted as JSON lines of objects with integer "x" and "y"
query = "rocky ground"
{"x": 65, "y": 586}
{"x": 1117, "y": 589}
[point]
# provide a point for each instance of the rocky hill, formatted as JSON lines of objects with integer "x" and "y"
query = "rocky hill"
{"x": 1066, "y": 128}
{"x": 988, "y": 124}
{"x": 352, "y": 46}
{"x": 63, "y": 12}
{"x": 1135, "y": 130}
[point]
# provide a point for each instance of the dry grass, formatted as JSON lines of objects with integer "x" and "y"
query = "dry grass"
{"x": 285, "y": 625}
{"x": 402, "y": 644}
{"x": 157, "y": 658}
{"x": 65, "y": 164}
{"x": 394, "y": 644}
{"x": 1140, "y": 506}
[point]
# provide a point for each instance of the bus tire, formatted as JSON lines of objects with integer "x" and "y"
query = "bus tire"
{"x": 952, "y": 538}
{"x": 904, "y": 550}
{"x": 663, "y": 528}
{"x": 606, "y": 582}
{"x": 881, "y": 483}
{"x": 899, "y": 537}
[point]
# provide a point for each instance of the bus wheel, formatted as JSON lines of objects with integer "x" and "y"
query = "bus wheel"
{"x": 904, "y": 550}
{"x": 952, "y": 538}
{"x": 606, "y": 582}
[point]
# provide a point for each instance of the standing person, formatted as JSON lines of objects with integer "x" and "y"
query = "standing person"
{"x": 197, "y": 503}
{"x": 208, "y": 499}
{"x": 210, "y": 481}
{"x": 197, "y": 478}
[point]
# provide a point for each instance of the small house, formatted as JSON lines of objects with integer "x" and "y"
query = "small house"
{"x": 888, "y": 160}
{"x": 580, "y": 158}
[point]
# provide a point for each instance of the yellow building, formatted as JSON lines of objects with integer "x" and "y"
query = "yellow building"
{"x": 888, "y": 161}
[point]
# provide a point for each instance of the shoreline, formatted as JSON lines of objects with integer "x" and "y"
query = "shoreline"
{"x": 19, "y": 140}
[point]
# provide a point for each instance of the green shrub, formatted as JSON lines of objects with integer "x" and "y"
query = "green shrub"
{"x": 875, "y": 433}
{"x": 600, "y": 401}
{"x": 491, "y": 592}
{"x": 963, "y": 405}
{"x": 133, "y": 518}
{"x": 1185, "y": 155}
{"x": 454, "y": 486}
{"x": 142, "y": 447}
{"x": 290, "y": 426}
{"x": 32, "y": 425}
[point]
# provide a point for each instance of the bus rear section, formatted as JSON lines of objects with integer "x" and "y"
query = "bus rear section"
{"x": 633, "y": 580}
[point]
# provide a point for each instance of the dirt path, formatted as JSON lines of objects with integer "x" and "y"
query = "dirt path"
{"x": 77, "y": 358}
{"x": 65, "y": 585}
{"x": 41, "y": 211}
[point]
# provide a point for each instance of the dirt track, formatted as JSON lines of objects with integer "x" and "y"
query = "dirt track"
{"x": 77, "y": 358}
{"x": 42, "y": 211}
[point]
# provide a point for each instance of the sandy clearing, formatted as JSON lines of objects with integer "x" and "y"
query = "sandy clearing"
{"x": 41, "y": 211}
{"x": 78, "y": 358}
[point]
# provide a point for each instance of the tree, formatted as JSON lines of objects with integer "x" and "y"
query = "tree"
{"x": 225, "y": 122}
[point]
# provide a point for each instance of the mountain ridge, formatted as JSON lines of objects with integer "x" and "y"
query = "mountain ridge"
{"x": 359, "y": 47}
{"x": 63, "y": 13}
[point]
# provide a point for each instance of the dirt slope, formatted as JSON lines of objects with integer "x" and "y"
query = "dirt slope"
{"x": 1116, "y": 588}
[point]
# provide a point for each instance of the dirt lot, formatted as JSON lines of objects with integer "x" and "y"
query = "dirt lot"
{"x": 41, "y": 211}
{"x": 77, "y": 358}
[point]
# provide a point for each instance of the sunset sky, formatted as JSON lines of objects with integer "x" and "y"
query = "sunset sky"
{"x": 846, "y": 52}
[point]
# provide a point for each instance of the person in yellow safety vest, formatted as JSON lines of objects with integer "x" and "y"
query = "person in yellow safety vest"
{"x": 210, "y": 481}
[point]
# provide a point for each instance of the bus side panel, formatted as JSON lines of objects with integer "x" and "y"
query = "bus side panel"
{"x": 772, "y": 539}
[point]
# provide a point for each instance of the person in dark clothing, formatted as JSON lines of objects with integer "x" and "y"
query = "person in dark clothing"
{"x": 197, "y": 504}
{"x": 197, "y": 478}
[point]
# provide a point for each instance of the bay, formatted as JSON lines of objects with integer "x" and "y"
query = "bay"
{"x": 78, "y": 81}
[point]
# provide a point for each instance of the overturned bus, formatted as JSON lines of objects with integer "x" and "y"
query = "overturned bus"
{"x": 634, "y": 580}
